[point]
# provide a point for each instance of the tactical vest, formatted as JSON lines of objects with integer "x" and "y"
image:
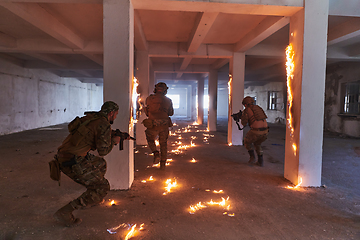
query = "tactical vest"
{"x": 80, "y": 132}
{"x": 258, "y": 114}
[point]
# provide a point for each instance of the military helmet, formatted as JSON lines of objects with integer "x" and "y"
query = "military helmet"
{"x": 248, "y": 100}
{"x": 109, "y": 106}
{"x": 161, "y": 87}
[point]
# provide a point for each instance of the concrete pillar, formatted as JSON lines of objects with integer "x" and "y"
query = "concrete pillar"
{"x": 212, "y": 115}
{"x": 200, "y": 108}
{"x": 118, "y": 78}
{"x": 303, "y": 147}
{"x": 142, "y": 75}
{"x": 237, "y": 71}
{"x": 151, "y": 80}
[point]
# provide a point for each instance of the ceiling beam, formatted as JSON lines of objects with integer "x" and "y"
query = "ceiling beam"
{"x": 344, "y": 31}
{"x": 7, "y": 41}
{"x": 52, "y": 46}
{"x": 51, "y": 58}
{"x": 139, "y": 36}
{"x": 267, "y": 7}
{"x": 175, "y": 68}
{"x": 202, "y": 26}
{"x": 73, "y": 65}
{"x": 220, "y": 63}
{"x": 40, "y": 18}
{"x": 263, "y": 30}
{"x": 167, "y": 49}
{"x": 98, "y": 58}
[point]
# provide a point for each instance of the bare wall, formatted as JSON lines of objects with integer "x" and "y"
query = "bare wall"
{"x": 35, "y": 98}
{"x": 336, "y": 76}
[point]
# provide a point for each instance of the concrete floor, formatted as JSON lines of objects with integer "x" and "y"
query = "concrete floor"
{"x": 261, "y": 207}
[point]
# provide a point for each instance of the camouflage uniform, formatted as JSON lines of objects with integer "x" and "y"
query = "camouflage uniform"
{"x": 158, "y": 109}
{"x": 253, "y": 136}
{"x": 92, "y": 132}
{"x": 255, "y": 117}
{"x": 83, "y": 167}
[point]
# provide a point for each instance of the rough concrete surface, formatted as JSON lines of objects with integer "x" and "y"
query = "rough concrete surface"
{"x": 261, "y": 207}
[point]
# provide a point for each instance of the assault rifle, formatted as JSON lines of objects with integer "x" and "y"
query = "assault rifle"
{"x": 237, "y": 117}
{"x": 123, "y": 136}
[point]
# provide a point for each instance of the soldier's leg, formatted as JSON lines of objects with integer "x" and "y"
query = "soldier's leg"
{"x": 260, "y": 139}
{"x": 151, "y": 135}
{"x": 248, "y": 142}
{"x": 93, "y": 178}
{"x": 163, "y": 137}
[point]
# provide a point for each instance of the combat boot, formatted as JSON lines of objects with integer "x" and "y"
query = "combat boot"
{"x": 252, "y": 156}
{"x": 156, "y": 157}
{"x": 64, "y": 215}
{"x": 260, "y": 161}
{"x": 162, "y": 165}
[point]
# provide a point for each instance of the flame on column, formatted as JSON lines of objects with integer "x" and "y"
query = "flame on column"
{"x": 230, "y": 105}
{"x": 290, "y": 66}
{"x": 298, "y": 185}
{"x": 134, "y": 100}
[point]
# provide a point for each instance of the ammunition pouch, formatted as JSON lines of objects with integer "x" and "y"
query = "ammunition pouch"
{"x": 148, "y": 123}
{"x": 55, "y": 173}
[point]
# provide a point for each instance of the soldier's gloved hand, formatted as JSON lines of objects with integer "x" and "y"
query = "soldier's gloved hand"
{"x": 125, "y": 136}
{"x": 116, "y": 139}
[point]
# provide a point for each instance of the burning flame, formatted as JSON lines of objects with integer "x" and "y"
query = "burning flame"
{"x": 148, "y": 180}
{"x": 130, "y": 233}
{"x": 198, "y": 206}
{"x": 169, "y": 185}
{"x": 192, "y": 144}
{"x": 157, "y": 142}
{"x": 195, "y": 123}
{"x": 290, "y": 66}
{"x": 112, "y": 203}
{"x": 193, "y": 160}
{"x": 298, "y": 185}
{"x": 220, "y": 191}
{"x": 222, "y": 203}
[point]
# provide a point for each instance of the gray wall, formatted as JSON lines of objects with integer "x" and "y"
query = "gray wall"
{"x": 35, "y": 98}
{"x": 337, "y": 75}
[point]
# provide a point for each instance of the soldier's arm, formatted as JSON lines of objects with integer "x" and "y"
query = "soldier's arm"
{"x": 171, "y": 109}
{"x": 244, "y": 118}
{"x": 104, "y": 141}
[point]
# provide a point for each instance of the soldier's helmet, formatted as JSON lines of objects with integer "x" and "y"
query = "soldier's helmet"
{"x": 248, "y": 100}
{"x": 109, "y": 106}
{"x": 161, "y": 87}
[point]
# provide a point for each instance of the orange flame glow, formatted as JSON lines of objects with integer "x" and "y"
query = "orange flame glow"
{"x": 170, "y": 185}
{"x": 290, "y": 66}
{"x": 130, "y": 234}
{"x": 196, "y": 207}
{"x": 193, "y": 160}
{"x": 298, "y": 185}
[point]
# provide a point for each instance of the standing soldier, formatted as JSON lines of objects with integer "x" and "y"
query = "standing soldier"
{"x": 158, "y": 109}
{"x": 255, "y": 116}
{"x": 91, "y": 132}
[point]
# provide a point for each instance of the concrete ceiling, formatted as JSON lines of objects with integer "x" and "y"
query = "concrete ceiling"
{"x": 184, "y": 38}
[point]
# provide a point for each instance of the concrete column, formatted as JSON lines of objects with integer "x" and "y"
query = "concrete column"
{"x": 151, "y": 80}
{"x": 200, "y": 108}
{"x": 303, "y": 147}
{"x": 212, "y": 115}
{"x": 142, "y": 75}
{"x": 237, "y": 71}
{"x": 118, "y": 77}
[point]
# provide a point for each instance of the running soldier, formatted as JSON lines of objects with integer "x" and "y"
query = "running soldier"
{"x": 158, "y": 109}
